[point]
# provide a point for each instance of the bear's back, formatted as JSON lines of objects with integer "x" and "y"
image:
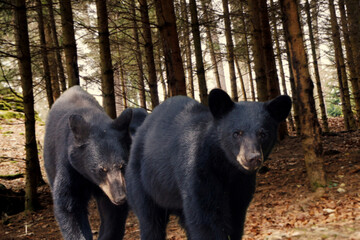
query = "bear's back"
{"x": 161, "y": 139}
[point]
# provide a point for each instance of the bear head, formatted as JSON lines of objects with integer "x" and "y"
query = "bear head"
{"x": 247, "y": 131}
{"x": 100, "y": 151}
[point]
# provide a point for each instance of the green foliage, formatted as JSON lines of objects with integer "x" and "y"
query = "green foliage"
{"x": 334, "y": 103}
{"x": 11, "y": 105}
{"x": 10, "y": 101}
{"x": 4, "y": 105}
{"x": 10, "y": 115}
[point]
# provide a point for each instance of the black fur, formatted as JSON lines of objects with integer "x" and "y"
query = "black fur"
{"x": 83, "y": 149}
{"x": 200, "y": 163}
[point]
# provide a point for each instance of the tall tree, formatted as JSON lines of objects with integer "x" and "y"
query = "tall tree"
{"x": 160, "y": 70}
{"x": 353, "y": 9}
{"x": 316, "y": 68}
{"x": 51, "y": 47}
{"x": 230, "y": 51}
{"x": 200, "y": 71}
{"x": 204, "y": 5}
{"x": 188, "y": 61}
{"x": 268, "y": 52}
{"x": 170, "y": 41}
{"x": 69, "y": 43}
{"x": 24, "y": 61}
{"x": 186, "y": 32}
{"x": 341, "y": 71}
{"x": 259, "y": 61}
{"x": 272, "y": 80}
{"x": 107, "y": 72}
{"x": 247, "y": 52}
{"x": 138, "y": 56}
{"x": 243, "y": 90}
{"x": 279, "y": 59}
{"x": 292, "y": 82}
{"x": 44, "y": 55}
{"x": 314, "y": 5}
{"x": 56, "y": 44}
{"x": 350, "y": 60}
{"x": 310, "y": 128}
{"x": 122, "y": 82}
{"x": 149, "y": 53}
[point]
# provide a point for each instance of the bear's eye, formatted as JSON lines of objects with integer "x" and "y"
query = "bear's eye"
{"x": 121, "y": 166}
{"x": 238, "y": 134}
{"x": 103, "y": 170}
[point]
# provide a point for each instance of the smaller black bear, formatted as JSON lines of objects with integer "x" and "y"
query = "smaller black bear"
{"x": 200, "y": 163}
{"x": 85, "y": 153}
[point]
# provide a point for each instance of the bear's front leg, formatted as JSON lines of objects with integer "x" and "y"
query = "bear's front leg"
{"x": 206, "y": 212}
{"x": 113, "y": 218}
{"x": 70, "y": 209}
{"x": 152, "y": 218}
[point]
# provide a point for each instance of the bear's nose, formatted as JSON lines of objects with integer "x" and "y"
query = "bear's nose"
{"x": 120, "y": 200}
{"x": 255, "y": 161}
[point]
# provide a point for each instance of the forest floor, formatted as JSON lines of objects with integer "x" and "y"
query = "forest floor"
{"x": 283, "y": 206}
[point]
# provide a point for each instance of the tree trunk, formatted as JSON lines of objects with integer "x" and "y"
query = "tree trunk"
{"x": 218, "y": 52}
{"x": 160, "y": 69}
{"x": 353, "y": 9}
{"x": 350, "y": 60}
{"x": 138, "y": 56}
{"x": 174, "y": 67}
{"x": 259, "y": 61}
{"x": 24, "y": 61}
{"x": 149, "y": 53}
{"x": 243, "y": 90}
{"x": 200, "y": 71}
{"x": 107, "y": 72}
{"x": 122, "y": 76}
{"x": 59, "y": 63}
{"x": 270, "y": 65}
{"x": 314, "y": 5}
{"x": 230, "y": 50}
{"x": 268, "y": 51}
{"x": 69, "y": 43}
{"x": 247, "y": 52}
{"x": 44, "y": 56}
{"x": 281, "y": 67}
{"x": 292, "y": 83}
{"x": 316, "y": 69}
{"x": 189, "y": 68}
{"x": 214, "y": 64}
{"x": 341, "y": 71}
{"x": 52, "y": 62}
{"x": 310, "y": 128}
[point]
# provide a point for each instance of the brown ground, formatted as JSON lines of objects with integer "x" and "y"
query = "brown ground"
{"x": 283, "y": 206}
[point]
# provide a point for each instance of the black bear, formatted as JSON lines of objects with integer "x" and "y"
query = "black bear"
{"x": 85, "y": 153}
{"x": 200, "y": 163}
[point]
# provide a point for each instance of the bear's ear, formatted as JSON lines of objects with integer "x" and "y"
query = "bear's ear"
{"x": 122, "y": 122}
{"x": 138, "y": 117}
{"x": 279, "y": 108}
{"x": 220, "y": 103}
{"x": 79, "y": 127}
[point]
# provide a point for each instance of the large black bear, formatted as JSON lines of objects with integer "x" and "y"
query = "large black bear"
{"x": 200, "y": 163}
{"x": 85, "y": 153}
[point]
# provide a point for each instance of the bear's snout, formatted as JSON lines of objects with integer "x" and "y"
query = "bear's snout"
{"x": 118, "y": 200}
{"x": 250, "y": 156}
{"x": 255, "y": 162}
{"x": 114, "y": 187}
